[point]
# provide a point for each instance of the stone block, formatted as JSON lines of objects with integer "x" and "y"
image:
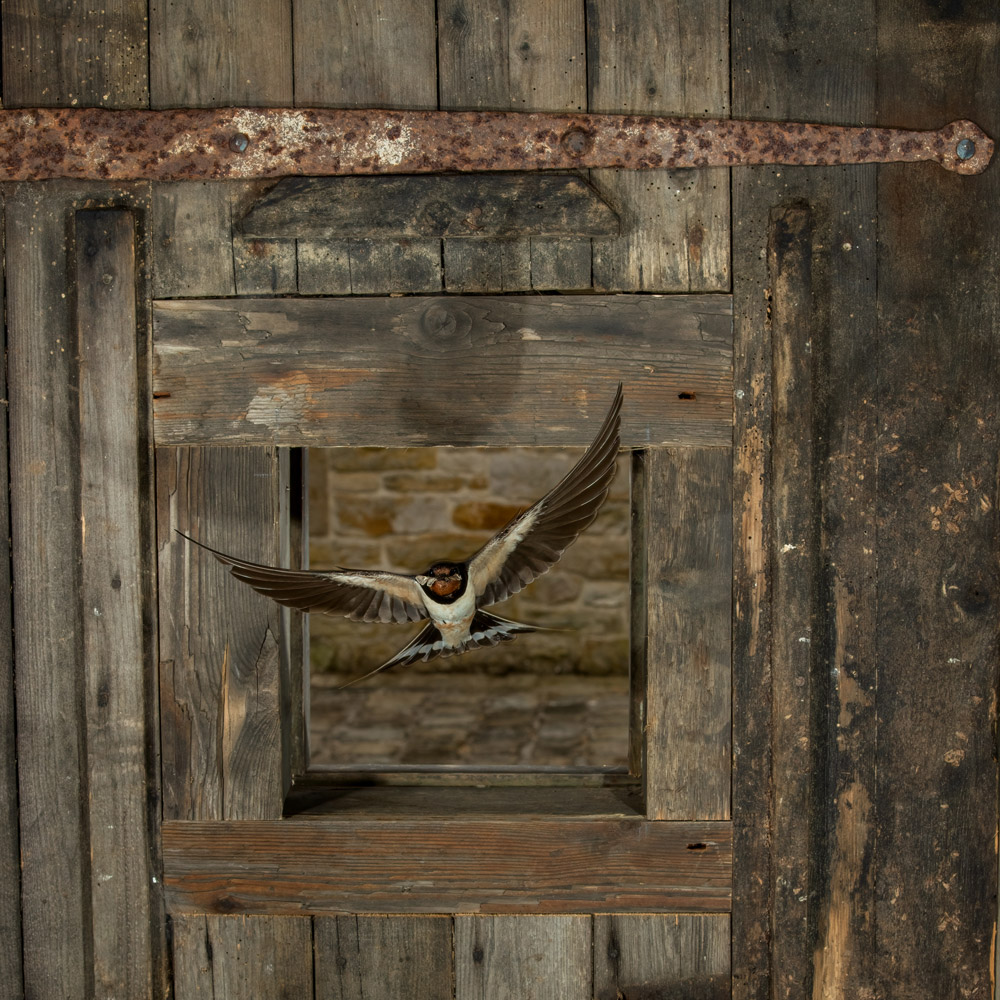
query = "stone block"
{"x": 479, "y": 515}
{"x": 368, "y": 459}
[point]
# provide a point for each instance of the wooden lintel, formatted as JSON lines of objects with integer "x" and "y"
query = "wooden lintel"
{"x": 455, "y": 206}
{"x": 414, "y": 371}
{"x": 434, "y": 866}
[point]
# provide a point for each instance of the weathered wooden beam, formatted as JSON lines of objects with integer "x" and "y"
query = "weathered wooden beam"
{"x": 115, "y": 516}
{"x": 682, "y": 610}
{"x": 430, "y": 866}
{"x": 432, "y": 371}
{"x": 247, "y": 143}
{"x": 457, "y": 206}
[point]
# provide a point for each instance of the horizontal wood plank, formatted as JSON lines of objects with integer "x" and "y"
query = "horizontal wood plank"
{"x": 422, "y": 371}
{"x": 458, "y": 206}
{"x": 430, "y": 866}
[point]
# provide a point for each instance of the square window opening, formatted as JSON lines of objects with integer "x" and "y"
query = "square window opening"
{"x": 548, "y": 699}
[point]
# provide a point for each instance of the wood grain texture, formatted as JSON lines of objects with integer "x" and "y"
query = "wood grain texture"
{"x": 114, "y": 515}
{"x": 457, "y": 206}
{"x": 343, "y": 371}
{"x": 687, "y": 623}
{"x": 407, "y": 958}
{"x": 524, "y": 55}
{"x": 428, "y": 866}
{"x": 366, "y": 55}
{"x": 937, "y": 583}
{"x": 242, "y": 956}
{"x": 60, "y": 54}
{"x": 797, "y": 687}
{"x": 661, "y": 58}
{"x": 818, "y": 63}
{"x": 527, "y": 957}
{"x": 45, "y": 491}
{"x": 198, "y": 253}
{"x": 661, "y": 955}
{"x": 10, "y": 854}
{"x": 221, "y": 644}
{"x": 231, "y": 53}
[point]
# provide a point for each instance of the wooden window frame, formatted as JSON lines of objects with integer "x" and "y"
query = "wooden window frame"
{"x": 238, "y": 383}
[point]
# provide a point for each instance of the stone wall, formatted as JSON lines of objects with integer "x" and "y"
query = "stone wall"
{"x": 404, "y": 508}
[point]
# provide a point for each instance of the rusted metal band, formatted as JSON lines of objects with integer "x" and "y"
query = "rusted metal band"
{"x": 247, "y": 143}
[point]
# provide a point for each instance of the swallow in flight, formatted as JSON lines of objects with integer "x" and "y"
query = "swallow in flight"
{"x": 452, "y": 595}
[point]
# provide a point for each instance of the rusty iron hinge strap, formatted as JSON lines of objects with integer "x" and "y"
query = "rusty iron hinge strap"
{"x": 248, "y": 143}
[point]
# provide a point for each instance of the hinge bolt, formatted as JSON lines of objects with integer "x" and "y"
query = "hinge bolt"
{"x": 239, "y": 143}
{"x": 966, "y": 149}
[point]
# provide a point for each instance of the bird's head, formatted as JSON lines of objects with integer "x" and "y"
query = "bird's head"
{"x": 442, "y": 579}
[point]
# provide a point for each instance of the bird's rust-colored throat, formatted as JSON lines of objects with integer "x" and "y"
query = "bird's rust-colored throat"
{"x": 252, "y": 143}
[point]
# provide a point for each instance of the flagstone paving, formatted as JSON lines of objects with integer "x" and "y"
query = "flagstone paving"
{"x": 470, "y": 718}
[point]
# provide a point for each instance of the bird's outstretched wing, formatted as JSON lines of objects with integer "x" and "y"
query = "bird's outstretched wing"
{"x": 533, "y": 542}
{"x": 359, "y": 594}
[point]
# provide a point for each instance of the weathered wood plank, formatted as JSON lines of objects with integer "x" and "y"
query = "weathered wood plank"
{"x": 366, "y": 55}
{"x": 457, "y": 206}
{"x": 10, "y": 860}
{"x": 816, "y": 62}
{"x": 524, "y": 55}
{"x": 92, "y": 55}
{"x": 343, "y": 371}
{"x": 220, "y": 645}
{"x": 406, "y": 958}
{"x": 797, "y": 722}
{"x": 197, "y": 252}
{"x": 465, "y": 866}
{"x": 45, "y": 490}
{"x": 242, "y": 956}
{"x": 230, "y": 53}
{"x": 647, "y": 955}
{"x": 528, "y": 957}
{"x": 114, "y": 515}
{"x": 661, "y": 58}
{"x": 686, "y": 626}
{"x": 937, "y": 611}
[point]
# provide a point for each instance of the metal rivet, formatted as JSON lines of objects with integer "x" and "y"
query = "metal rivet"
{"x": 576, "y": 142}
{"x": 966, "y": 149}
{"x": 239, "y": 143}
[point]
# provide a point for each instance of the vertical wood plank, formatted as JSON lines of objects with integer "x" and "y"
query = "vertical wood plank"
{"x": 93, "y": 55}
{"x": 45, "y": 490}
{"x": 407, "y": 958}
{"x": 10, "y": 867}
{"x": 813, "y": 63}
{"x": 232, "y": 53}
{"x": 652, "y": 955}
{"x": 752, "y": 788}
{"x": 229, "y": 53}
{"x": 687, "y": 588}
{"x": 220, "y": 642}
{"x": 269, "y": 958}
{"x": 528, "y": 957}
{"x": 661, "y": 58}
{"x": 797, "y": 730}
{"x": 937, "y": 542}
{"x": 366, "y": 55}
{"x": 524, "y": 56}
{"x": 114, "y": 513}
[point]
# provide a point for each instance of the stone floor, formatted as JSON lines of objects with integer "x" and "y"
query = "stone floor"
{"x": 470, "y": 718}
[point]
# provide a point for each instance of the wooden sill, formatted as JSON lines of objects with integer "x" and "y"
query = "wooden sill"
{"x": 433, "y": 865}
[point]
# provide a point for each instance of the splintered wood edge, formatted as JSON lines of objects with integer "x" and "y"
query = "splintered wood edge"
{"x": 439, "y": 866}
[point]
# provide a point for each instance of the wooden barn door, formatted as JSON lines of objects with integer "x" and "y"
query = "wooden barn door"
{"x": 814, "y": 505}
